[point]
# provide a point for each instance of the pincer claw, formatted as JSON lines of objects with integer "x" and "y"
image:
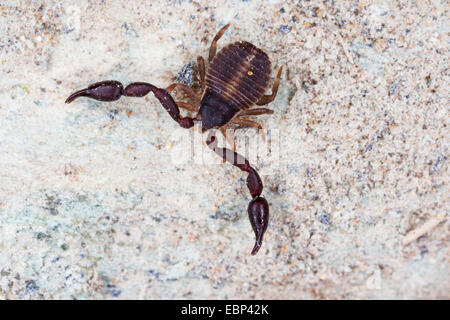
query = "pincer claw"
{"x": 258, "y": 213}
{"x": 109, "y": 90}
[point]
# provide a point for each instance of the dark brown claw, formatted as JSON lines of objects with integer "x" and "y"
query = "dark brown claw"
{"x": 258, "y": 213}
{"x": 258, "y": 208}
{"x": 112, "y": 90}
{"x": 109, "y": 90}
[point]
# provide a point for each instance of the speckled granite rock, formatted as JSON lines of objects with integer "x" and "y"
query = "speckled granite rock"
{"x": 92, "y": 205}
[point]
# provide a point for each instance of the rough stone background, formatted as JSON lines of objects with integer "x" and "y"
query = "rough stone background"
{"x": 92, "y": 204}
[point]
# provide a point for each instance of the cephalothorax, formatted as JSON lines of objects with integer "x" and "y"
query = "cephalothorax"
{"x": 235, "y": 81}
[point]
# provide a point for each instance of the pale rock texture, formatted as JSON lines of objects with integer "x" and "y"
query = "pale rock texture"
{"x": 93, "y": 204}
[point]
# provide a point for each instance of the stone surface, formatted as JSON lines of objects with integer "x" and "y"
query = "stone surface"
{"x": 94, "y": 205}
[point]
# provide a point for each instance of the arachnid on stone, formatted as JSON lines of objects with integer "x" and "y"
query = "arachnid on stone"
{"x": 235, "y": 81}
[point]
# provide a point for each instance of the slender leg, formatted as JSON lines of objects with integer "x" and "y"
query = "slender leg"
{"x": 201, "y": 71}
{"x": 112, "y": 90}
{"x": 258, "y": 208}
{"x": 213, "y": 48}
{"x": 255, "y": 112}
{"x": 186, "y": 89}
{"x": 269, "y": 98}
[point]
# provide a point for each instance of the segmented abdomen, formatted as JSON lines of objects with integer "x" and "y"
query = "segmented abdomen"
{"x": 240, "y": 73}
